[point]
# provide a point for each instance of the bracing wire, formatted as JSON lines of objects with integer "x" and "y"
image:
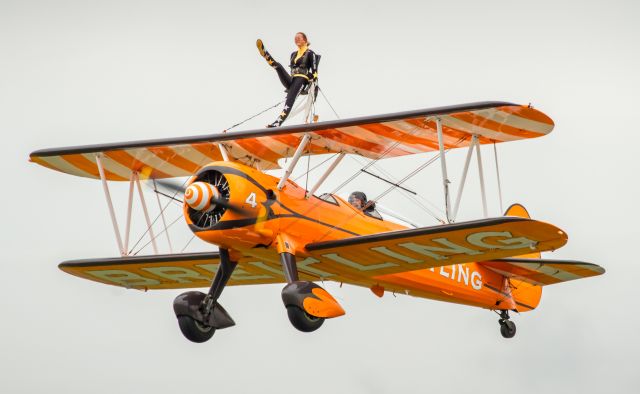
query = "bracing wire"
{"x": 315, "y": 167}
{"x": 181, "y": 216}
{"x": 387, "y": 191}
{"x": 410, "y": 196}
{"x": 172, "y": 198}
{"x": 327, "y": 100}
{"x": 254, "y": 116}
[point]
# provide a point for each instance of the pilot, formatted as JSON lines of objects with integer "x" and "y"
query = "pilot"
{"x": 359, "y": 201}
{"x": 304, "y": 69}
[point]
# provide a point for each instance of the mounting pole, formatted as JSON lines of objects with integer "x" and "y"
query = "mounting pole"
{"x": 482, "y": 190}
{"x": 223, "y": 152}
{"x": 127, "y": 230}
{"x": 146, "y": 214}
{"x": 326, "y": 174}
{"x": 495, "y": 152}
{"x": 107, "y": 195}
{"x": 294, "y": 160}
{"x": 443, "y": 165}
{"x": 474, "y": 141}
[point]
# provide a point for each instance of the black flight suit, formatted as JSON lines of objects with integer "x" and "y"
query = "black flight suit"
{"x": 304, "y": 68}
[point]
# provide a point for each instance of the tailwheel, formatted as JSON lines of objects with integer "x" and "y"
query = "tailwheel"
{"x": 194, "y": 330}
{"x": 507, "y": 327}
{"x": 303, "y": 321}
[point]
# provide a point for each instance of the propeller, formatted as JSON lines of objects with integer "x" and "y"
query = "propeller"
{"x": 201, "y": 196}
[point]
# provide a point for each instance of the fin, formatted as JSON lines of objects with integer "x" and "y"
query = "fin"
{"x": 518, "y": 210}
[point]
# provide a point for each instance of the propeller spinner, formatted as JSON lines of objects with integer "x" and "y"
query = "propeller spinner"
{"x": 201, "y": 196}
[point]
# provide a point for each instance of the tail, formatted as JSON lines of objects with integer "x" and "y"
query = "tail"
{"x": 520, "y": 211}
{"x": 526, "y": 295}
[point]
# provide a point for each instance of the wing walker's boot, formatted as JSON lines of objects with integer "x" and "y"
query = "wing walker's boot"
{"x": 264, "y": 53}
{"x": 280, "y": 119}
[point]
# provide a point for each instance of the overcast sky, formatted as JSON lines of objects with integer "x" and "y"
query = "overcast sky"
{"x": 81, "y": 72}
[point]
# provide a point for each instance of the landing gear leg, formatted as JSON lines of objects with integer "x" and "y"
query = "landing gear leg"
{"x": 199, "y": 314}
{"x": 507, "y": 327}
{"x": 293, "y": 295}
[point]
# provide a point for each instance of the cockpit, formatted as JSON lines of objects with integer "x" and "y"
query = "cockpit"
{"x": 359, "y": 201}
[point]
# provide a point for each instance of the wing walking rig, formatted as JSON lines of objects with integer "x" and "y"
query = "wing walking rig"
{"x": 268, "y": 229}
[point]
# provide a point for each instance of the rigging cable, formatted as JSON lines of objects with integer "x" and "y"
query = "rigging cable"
{"x": 254, "y": 116}
{"x": 373, "y": 164}
{"x": 156, "y": 219}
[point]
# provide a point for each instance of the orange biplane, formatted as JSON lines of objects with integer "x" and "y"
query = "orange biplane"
{"x": 268, "y": 229}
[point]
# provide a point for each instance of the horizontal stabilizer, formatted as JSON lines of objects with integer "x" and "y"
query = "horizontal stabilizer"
{"x": 428, "y": 247}
{"x": 543, "y": 272}
{"x": 375, "y": 137}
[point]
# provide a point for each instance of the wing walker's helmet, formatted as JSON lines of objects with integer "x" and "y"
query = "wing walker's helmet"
{"x": 358, "y": 199}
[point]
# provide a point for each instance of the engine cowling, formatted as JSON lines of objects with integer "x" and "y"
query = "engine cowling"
{"x": 230, "y": 204}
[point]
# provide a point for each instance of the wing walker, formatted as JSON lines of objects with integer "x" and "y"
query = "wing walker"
{"x": 265, "y": 228}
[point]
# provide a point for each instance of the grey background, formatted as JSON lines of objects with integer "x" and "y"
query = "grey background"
{"x": 87, "y": 72}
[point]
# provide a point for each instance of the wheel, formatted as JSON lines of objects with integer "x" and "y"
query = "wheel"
{"x": 507, "y": 328}
{"x": 302, "y": 320}
{"x": 195, "y": 331}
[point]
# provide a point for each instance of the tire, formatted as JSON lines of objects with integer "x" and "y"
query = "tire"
{"x": 195, "y": 331}
{"x": 507, "y": 329}
{"x": 302, "y": 320}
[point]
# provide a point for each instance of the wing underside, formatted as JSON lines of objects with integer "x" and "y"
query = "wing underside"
{"x": 174, "y": 271}
{"x": 376, "y": 137}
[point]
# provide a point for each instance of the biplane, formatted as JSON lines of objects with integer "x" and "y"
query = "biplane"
{"x": 268, "y": 229}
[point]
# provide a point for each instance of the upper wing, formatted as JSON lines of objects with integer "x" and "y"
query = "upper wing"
{"x": 375, "y": 137}
{"x": 543, "y": 272}
{"x": 408, "y": 250}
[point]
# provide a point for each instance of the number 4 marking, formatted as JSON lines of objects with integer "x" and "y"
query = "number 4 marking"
{"x": 251, "y": 200}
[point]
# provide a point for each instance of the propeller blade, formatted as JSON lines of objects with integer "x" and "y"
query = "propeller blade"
{"x": 228, "y": 205}
{"x": 174, "y": 187}
{"x": 180, "y": 188}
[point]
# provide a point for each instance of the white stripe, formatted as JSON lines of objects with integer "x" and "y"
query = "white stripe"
{"x": 240, "y": 154}
{"x": 278, "y": 147}
{"x": 192, "y": 154}
{"x": 153, "y": 161}
{"x": 522, "y": 123}
{"x": 423, "y": 132}
{"x": 474, "y": 129}
{"x": 370, "y": 136}
{"x": 336, "y": 146}
{"x": 333, "y": 146}
{"x": 110, "y": 165}
{"x": 66, "y": 167}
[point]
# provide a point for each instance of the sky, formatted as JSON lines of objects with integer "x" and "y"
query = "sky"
{"x": 84, "y": 72}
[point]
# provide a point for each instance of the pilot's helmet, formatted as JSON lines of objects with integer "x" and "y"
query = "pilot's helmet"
{"x": 358, "y": 199}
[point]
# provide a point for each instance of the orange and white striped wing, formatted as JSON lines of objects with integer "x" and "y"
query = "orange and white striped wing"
{"x": 375, "y": 137}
